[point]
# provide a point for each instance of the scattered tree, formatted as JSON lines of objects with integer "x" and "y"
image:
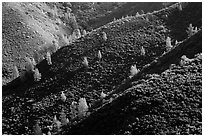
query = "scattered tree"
{"x": 36, "y": 57}
{"x": 82, "y": 107}
{"x": 179, "y": 6}
{"x": 84, "y": 32}
{"x": 168, "y": 44}
{"x": 55, "y": 45}
{"x": 29, "y": 66}
{"x": 104, "y": 36}
{"x": 103, "y": 95}
{"x": 176, "y": 42}
{"x": 37, "y": 129}
{"x": 36, "y": 75}
{"x": 23, "y": 75}
{"x": 63, "y": 118}
{"x": 15, "y": 72}
{"x": 48, "y": 58}
{"x": 191, "y": 30}
{"x": 137, "y": 14}
{"x": 99, "y": 55}
{"x": 56, "y": 124}
{"x": 85, "y": 62}
{"x": 63, "y": 97}
{"x": 142, "y": 51}
{"x": 73, "y": 108}
{"x": 133, "y": 70}
{"x": 77, "y": 33}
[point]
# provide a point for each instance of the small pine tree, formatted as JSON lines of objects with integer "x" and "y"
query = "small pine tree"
{"x": 84, "y": 32}
{"x": 142, "y": 51}
{"x": 142, "y": 12}
{"x": 103, "y": 95}
{"x": 33, "y": 62}
{"x": 48, "y": 58}
{"x": 180, "y": 7}
{"x": 37, "y": 75}
{"x": 137, "y": 14}
{"x": 63, "y": 118}
{"x": 133, "y": 71}
{"x": 36, "y": 57}
{"x": 78, "y": 33}
{"x": 191, "y": 31}
{"x": 15, "y": 72}
{"x": 55, "y": 45}
{"x": 63, "y": 97}
{"x": 56, "y": 124}
{"x": 73, "y": 108}
{"x": 176, "y": 42}
{"x": 55, "y": 11}
{"x": 82, "y": 107}
{"x": 85, "y": 62}
{"x": 29, "y": 66}
{"x": 37, "y": 129}
{"x": 99, "y": 55}
{"x": 66, "y": 40}
{"x": 147, "y": 18}
{"x": 168, "y": 44}
{"x": 23, "y": 76}
{"x": 104, "y": 36}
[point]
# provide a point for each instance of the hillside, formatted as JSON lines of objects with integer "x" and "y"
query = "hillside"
{"x": 25, "y": 103}
{"x": 169, "y": 103}
{"x": 125, "y": 9}
{"x": 93, "y": 15}
{"x": 26, "y": 28}
{"x": 38, "y": 24}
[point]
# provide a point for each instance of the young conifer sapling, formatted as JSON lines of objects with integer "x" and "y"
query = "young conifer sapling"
{"x": 168, "y": 44}
{"x": 85, "y": 62}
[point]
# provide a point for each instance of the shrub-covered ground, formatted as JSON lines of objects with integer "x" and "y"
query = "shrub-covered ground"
{"x": 169, "y": 103}
{"x": 93, "y": 15}
{"x": 24, "y": 103}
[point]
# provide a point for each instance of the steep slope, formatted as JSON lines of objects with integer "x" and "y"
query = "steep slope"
{"x": 26, "y": 27}
{"x": 119, "y": 52}
{"x": 86, "y": 11}
{"x": 128, "y": 8}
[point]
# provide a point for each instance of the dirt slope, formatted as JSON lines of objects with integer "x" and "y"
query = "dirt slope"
{"x": 26, "y": 27}
{"x": 119, "y": 52}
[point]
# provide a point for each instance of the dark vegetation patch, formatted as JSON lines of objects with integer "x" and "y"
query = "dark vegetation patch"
{"x": 169, "y": 103}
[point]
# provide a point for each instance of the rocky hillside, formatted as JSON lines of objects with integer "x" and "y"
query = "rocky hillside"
{"x": 29, "y": 27}
{"x": 28, "y": 102}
